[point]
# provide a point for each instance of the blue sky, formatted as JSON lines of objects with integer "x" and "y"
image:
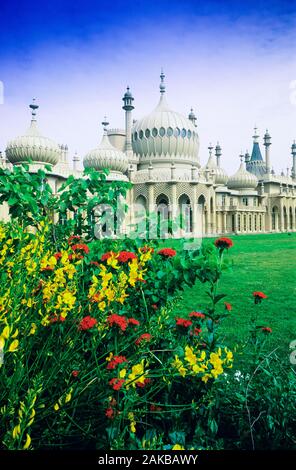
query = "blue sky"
{"x": 233, "y": 61}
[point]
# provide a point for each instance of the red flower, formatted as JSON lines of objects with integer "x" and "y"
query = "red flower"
{"x": 223, "y": 243}
{"x": 144, "y": 337}
{"x": 197, "y": 315}
{"x": 106, "y": 256}
{"x": 116, "y": 383}
{"x": 110, "y": 413}
{"x": 146, "y": 249}
{"x": 73, "y": 237}
{"x": 167, "y": 252}
{"x": 117, "y": 320}
{"x": 95, "y": 263}
{"x": 125, "y": 256}
{"x": 258, "y": 297}
{"x": 133, "y": 321}
{"x": 115, "y": 361}
{"x": 57, "y": 318}
{"x": 143, "y": 384}
{"x": 154, "y": 306}
{"x": 266, "y": 329}
{"x": 183, "y": 322}
{"x": 228, "y": 306}
{"x": 196, "y": 331}
{"x": 80, "y": 246}
{"x": 58, "y": 255}
{"x": 87, "y": 323}
{"x": 75, "y": 373}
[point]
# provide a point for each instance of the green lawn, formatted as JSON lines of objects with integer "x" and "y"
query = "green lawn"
{"x": 259, "y": 262}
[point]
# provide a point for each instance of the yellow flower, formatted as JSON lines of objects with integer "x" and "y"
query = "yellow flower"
{"x": 13, "y": 346}
{"x": 28, "y": 442}
{"x": 178, "y": 364}
{"x": 16, "y": 431}
{"x": 56, "y": 407}
{"x": 33, "y": 329}
{"x": 68, "y": 396}
{"x": 132, "y": 422}
{"x": 5, "y": 332}
{"x": 178, "y": 447}
{"x": 190, "y": 356}
{"x": 137, "y": 374}
{"x": 122, "y": 373}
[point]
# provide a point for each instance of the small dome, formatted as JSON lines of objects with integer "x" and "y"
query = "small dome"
{"x": 105, "y": 156}
{"x": 33, "y": 146}
{"x": 242, "y": 179}
{"x": 220, "y": 176}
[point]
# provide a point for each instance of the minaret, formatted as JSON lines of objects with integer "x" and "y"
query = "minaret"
{"x": 267, "y": 144}
{"x": 218, "y": 153}
{"x": 128, "y": 107}
{"x": 293, "y": 149}
{"x": 192, "y": 117}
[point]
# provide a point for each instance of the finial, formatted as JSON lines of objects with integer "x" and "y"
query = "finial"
{"x": 34, "y": 106}
{"x": 255, "y": 136}
{"x": 105, "y": 123}
{"x": 192, "y": 117}
{"x": 210, "y": 147}
{"x": 162, "y": 85}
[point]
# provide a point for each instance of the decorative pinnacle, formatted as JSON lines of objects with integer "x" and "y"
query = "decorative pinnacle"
{"x": 210, "y": 147}
{"x": 105, "y": 123}
{"x": 255, "y": 136}
{"x": 162, "y": 85}
{"x": 34, "y": 106}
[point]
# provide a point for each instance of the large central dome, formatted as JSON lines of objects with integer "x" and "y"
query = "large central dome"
{"x": 165, "y": 136}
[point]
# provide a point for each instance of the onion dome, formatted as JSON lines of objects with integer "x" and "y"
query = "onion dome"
{"x": 165, "y": 136}
{"x": 242, "y": 179}
{"x": 220, "y": 176}
{"x": 105, "y": 156}
{"x": 33, "y": 146}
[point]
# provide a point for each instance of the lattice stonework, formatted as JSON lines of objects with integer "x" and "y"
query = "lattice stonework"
{"x": 140, "y": 190}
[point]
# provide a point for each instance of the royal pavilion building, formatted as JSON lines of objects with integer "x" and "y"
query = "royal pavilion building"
{"x": 159, "y": 155}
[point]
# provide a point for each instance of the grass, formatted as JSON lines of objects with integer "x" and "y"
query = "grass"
{"x": 266, "y": 263}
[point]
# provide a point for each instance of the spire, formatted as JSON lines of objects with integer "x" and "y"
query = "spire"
{"x": 162, "y": 85}
{"x": 210, "y": 147}
{"x": 105, "y": 123}
{"x": 256, "y": 136}
{"x": 192, "y": 117}
{"x": 34, "y": 107}
{"x": 267, "y": 139}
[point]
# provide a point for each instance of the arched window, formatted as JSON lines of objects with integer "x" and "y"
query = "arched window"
{"x": 154, "y": 132}
{"x": 135, "y": 136}
{"x": 141, "y": 134}
{"x": 177, "y": 132}
{"x": 162, "y": 131}
{"x": 147, "y": 133}
{"x": 183, "y": 133}
{"x": 185, "y": 211}
{"x": 169, "y": 132}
